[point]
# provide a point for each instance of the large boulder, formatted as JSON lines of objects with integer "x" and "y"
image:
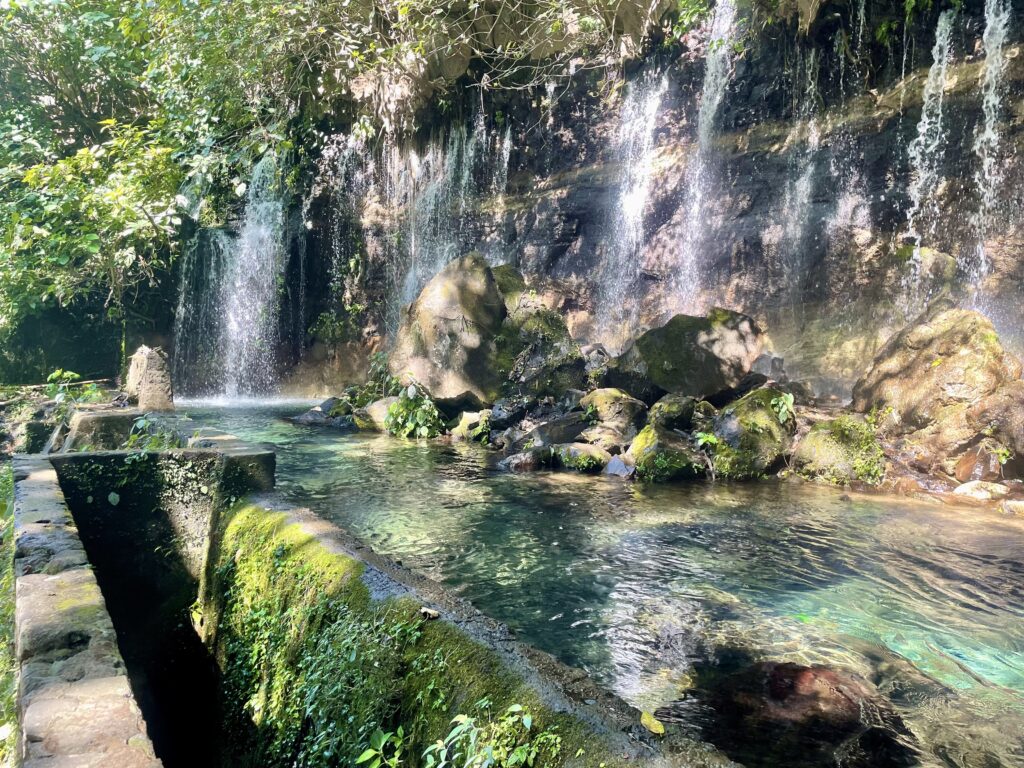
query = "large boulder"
{"x": 446, "y": 340}
{"x": 947, "y": 360}
{"x": 149, "y": 380}
{"x": 617, "y": 418}
{"x": 696, "y": 356}
{"x": 941, "y": 385}
{"x": 752, "y": 436}
{"x": 840, "y": 452}
{"x": 541, "y": 357}
{"x": 660, "y": 455}
{"x": 372, "y": 417}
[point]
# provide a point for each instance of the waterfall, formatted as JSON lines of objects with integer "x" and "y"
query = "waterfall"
{"x": 796, "y": 208}
{"x": 700, "y": 174}
{"x": 925, "y": 155}
{"x": 198, "y": 352}
{"x": 988, "y": 176}
{"x": 250, "y": 295}
{"x": 634, "y": 153}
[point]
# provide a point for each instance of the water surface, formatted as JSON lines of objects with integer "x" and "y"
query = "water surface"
{"x": 638, "y": 584}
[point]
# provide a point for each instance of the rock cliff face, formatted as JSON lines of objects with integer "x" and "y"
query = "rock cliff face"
{"x": 798, "y": 183}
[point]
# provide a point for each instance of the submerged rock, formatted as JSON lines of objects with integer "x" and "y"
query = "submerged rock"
{"x": 697, "y": 356}
{"x": 149, "y": 380}
{"x": 527, "y": 461}
{"x": 661, "y": 455}
{"x": 840, "y": 451}
{"x": 446, "y": 340}
{"x": 782, "y": 713}
{"x": 333, "y": 412}
{"x": 979, "y": 490}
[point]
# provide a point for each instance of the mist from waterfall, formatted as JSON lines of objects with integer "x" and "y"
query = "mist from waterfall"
{"x": 925, "y": 155}
{"x": 686, "y": 282}
{"x": 988, "y": 176}
{"x": 634, "y": 154}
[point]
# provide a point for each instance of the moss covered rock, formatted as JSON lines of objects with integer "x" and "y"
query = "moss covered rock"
{"x": 697, "y": 356}
{"x": 673, "y": 412}
{"x": 582, "y": 457}
{"x": 542, "y": 358}
{"x": 840, "y": 452}
{"x": 472, "y": 426}
{"x": 660, "y": 455}
{"x": 446, "y": 340}
{"x": 752, "y": 435}
{"x": 616, "y": 417}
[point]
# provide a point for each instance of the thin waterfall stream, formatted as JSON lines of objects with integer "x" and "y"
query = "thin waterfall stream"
{"x": 686, "y": 282}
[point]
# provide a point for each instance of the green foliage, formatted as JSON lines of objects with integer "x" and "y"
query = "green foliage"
{"x": 413, "y": 415}
{"x": 482, "y": 742}
{"x": 317, "y": 673}
{"x": 782, "y": 405}
{"x": 61, "y": 387}
{"x": 97, "y": 222}
{"x": 147, "y": 436}
{"x": 705, "y": 439}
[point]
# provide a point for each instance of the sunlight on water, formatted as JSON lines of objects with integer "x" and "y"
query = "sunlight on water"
{"x": 638, "y": 585}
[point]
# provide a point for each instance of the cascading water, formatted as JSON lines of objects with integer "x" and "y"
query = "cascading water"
{"x": 700, "y": 174}
{"x": 988, "y": 176}
{"x": 925, "y": 154}
{"x": 635, "y": 153}
{"x": 251, "y": 302}
{"x": 198, "y": 351}
{"x": 226, "y": 323}
{"x": 796, "y": 209}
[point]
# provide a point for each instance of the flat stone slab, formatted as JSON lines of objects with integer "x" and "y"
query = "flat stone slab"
{"x": 75, "y": 705}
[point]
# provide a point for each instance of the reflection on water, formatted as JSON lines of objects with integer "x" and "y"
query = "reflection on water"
{"x": 637, "y": 584}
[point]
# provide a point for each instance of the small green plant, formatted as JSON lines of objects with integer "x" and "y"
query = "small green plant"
{"x": 1003, "y": 454}
{"x": 508, "y": 742}
{"x": 706, "y": 439}
{"x": 385, "y": 749}
{"x": 414, "y": 414}
{"x": 783, "y": 407}
{"x": 147, "y": 436}
{"x": 66, "y": 393}
{"x": 590, "y": 414}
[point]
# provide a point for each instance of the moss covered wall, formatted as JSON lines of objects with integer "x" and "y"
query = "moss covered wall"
{"x": 318, "y": 651}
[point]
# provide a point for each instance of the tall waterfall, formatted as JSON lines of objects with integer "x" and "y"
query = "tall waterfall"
{"x": 251, "y": 302}
{"x": 926, "y": 153}
{"x": 226, "y": 332}
{"x": 700, "y": 174}
{"x": 988, "y": 176}
{"x": 634, "y": 152}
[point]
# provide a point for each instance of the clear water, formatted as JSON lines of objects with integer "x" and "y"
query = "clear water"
{"x": 637, "y": 584}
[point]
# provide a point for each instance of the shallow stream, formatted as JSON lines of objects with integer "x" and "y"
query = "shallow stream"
{"x": 641, "y": 585}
